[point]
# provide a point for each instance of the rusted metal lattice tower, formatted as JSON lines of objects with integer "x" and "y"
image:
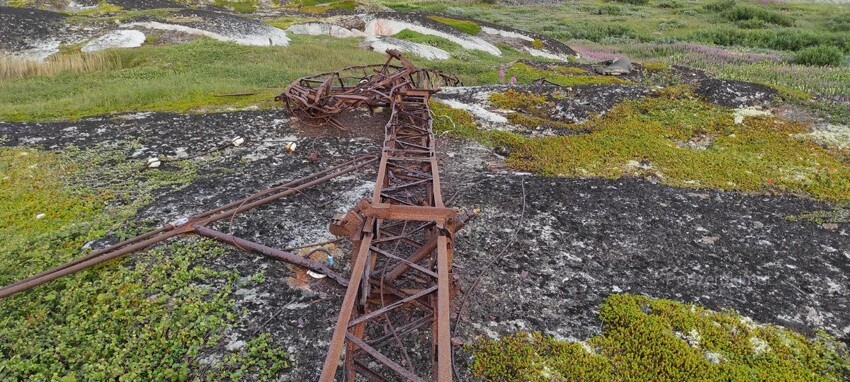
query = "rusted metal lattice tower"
{"x": 401, "y": 281}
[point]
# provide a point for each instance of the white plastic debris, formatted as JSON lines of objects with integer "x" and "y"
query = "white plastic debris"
{"x": 316, "y": 275}
{"x": 290, "y": 146}
{"x": 238, "y": 141}
{"x": 153, "y": 162}
{"x": 179, "y": 222}
{"x": 40, "y": 216}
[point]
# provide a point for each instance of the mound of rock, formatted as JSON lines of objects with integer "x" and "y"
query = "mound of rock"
{"x": 219, "y": 26}
{"x": 383, "y": 44}
{"x": 120, "y": 38}
{"x": 735, "y": 94}
{"x": 324, "y": 29}
{"x": 32, "y": 33}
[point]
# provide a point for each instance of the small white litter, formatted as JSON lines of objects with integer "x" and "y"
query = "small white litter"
{"x": 238, "y": 141}
{"x": 153, "y": 162}
{"x": 316, "y": 275}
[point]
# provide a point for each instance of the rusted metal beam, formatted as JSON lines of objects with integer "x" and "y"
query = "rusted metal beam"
{"x": 174, "y": 229}
{"x": 271, "y": 252}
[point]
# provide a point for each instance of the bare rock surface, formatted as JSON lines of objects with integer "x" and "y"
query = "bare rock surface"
{"x": 578, "y": 240}
{"x": 217, "y": 25}
{"x": 324, "y": 29}
{"x": 120, "y": 38}
{"x": 383, "y": 44}
{"x": 735, "y": 94}
{"x": 31, "y": 33}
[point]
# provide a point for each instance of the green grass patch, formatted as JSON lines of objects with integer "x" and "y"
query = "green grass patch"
{"x": 645, "y": 339}
{"x": 465, "y": 26}
{"x": 168, "y": 78}
{"x": 148, "y": 317}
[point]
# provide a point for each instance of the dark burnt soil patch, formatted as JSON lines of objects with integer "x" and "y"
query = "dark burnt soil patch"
{"x": 735, "y": 94}
{"x": 19, "y": 27}
{"x": 580, "y": 240}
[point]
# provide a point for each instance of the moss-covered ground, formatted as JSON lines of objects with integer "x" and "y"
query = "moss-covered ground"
{"x": 652, "y": 138}
{"x": 152, "y": 317}
{"x": 646, "y": 339}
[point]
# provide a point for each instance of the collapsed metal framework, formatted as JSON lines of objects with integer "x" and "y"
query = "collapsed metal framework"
{"x": 401, "y": 284}
{"x": 401, "y": 281}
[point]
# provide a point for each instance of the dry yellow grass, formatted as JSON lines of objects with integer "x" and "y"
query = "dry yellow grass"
{"x": 11, "y": 68}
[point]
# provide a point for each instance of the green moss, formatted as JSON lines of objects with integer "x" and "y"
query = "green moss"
{"x": 519, "y": 100}
{"x": 527, "y": 73}
{"x": 643, "y": 339}
{"x": 651, "y": 138}
{"x": 655, "y": 66}
{"x": 241, "y": 6}
{"x": 148, "y": 317}
{"x": 312, "y": 6}
{"x": 465, "y": 26}
{"x": 569, "y": 70}
{"x": 421, "y": 38}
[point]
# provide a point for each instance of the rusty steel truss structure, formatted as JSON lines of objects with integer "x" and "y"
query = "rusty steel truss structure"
{"x": 401, "y": 284}
{"x": 399, "y": 295}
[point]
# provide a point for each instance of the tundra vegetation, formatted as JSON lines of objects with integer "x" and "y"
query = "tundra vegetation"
{"x": 151, "y": 318}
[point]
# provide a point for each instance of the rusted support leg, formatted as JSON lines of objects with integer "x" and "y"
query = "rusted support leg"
{"x": 348, "y": 302}
{"x": 271, "y": 252}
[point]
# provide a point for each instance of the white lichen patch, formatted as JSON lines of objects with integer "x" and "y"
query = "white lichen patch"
{"x": 478, "y": 111}
{"x": 120, "y": 38}
{"x": 383, "y": 44}
{"x": 544, "y": 54}
{"x": 759, "y": 345}
{"x": 837, "y": 136}
{"x": 389, "y": 27}
{"x": 714, "y": 358}
{"x": 692, "y": 337}
{"x": 742, "y": 113}
{"x": 324, "y": 29}
{"x": 262, "y": 36}
{"x": 506, "y": 34}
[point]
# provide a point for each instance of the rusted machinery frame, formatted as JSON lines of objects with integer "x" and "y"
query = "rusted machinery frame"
{"x": 401, "y": 263}
{"x": 189, "y": 226}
